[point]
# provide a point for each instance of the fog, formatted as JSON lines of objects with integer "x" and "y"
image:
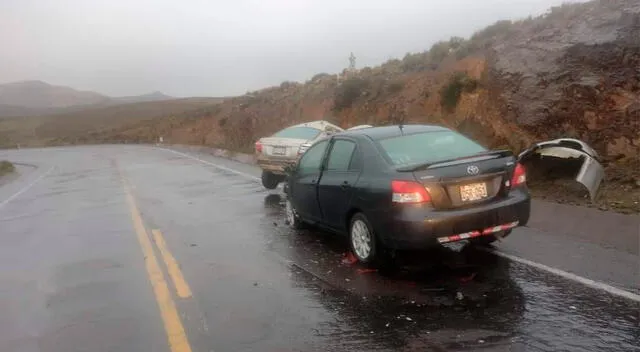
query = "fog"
{"x": 222, "y": 48}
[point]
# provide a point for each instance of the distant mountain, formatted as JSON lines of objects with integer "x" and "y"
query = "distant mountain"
{"x": 30, "y": 98}
{"x": 155, "y": 96}
{"x": 38, "y": 94}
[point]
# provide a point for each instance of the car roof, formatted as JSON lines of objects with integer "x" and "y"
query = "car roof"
{"x": 382, "y": 132}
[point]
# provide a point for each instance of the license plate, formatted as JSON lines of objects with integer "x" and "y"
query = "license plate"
{"x": 474, "y": 191}
{"x": 456, "y": 246}
{"x": 279, "y": 150}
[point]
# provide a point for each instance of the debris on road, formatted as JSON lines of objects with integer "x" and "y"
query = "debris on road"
{"x": 349, "y": 259}
{"x": 467, "y": 278}
{"x": 366, "y": 271}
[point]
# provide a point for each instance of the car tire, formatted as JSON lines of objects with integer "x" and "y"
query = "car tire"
{"x": 270, "y": 180}
{"x": 292, "y": 217}
{"x": 364, "y": 242}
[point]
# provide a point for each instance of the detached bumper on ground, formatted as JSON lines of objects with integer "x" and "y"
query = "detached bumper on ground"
{"x": 415, "y": 228}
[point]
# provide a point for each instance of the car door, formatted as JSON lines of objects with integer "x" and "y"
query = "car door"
{"x": 304, "y": 183}
{"x": 339, "y": 175}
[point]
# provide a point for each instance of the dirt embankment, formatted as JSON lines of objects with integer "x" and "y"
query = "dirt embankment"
{"x": 574, "y": 72}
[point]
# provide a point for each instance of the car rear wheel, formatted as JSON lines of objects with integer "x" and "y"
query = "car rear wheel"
{"x": 270, "y": 180}
{"x": 363, "y": 241}
{"x": 293, "y": 219}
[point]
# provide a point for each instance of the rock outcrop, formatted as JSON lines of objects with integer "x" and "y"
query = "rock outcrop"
{"x": 576, "y": 73}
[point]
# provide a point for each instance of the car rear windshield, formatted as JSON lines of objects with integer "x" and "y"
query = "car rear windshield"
{"x": 428, "y": 147}
{"x": 298, "y": 133}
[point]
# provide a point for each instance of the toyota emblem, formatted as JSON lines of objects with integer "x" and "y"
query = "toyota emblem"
{"x": 472, "y": 170}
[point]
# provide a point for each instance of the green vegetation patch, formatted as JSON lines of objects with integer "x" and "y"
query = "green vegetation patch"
{"x": 458, "y": 83}
{"x": 349, "y": 91}
{"x": 6, "y": 167}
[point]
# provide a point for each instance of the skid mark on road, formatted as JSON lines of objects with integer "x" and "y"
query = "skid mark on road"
{"x": 26, "y": 188}
{"x": 182, "y": 288}
{"x": 177, "y": 337}
{"x": 569, "y": 276}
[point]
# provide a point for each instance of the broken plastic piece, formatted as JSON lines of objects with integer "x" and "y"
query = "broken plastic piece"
{"x": 467, "y": 278}
{"x": 349, "y": 259}
{"x": 366, "y": 271}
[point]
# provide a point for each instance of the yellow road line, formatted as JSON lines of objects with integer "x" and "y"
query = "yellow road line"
{"x": 178, "y": 341}
{"x": 182, "y": 288}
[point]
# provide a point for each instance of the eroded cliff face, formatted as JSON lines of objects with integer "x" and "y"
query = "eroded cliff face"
{"x": 575, "y": 73}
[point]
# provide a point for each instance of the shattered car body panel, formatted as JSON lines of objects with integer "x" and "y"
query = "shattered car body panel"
{"x": 591, "y": 172}
{"x": 359, "y": 127}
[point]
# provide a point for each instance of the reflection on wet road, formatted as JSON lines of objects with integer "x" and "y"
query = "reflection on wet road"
{"x": 73, "y": 278}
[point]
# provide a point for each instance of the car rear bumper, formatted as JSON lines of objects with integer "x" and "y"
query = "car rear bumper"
{"x": 276, "y": 166}
{"x": 419, "y": 227}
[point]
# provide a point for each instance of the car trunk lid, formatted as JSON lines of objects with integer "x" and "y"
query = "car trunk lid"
{"x": 466, "y": 181}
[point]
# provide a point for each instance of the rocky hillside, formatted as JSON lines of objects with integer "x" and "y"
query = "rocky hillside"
{"x": 573, "y": 72}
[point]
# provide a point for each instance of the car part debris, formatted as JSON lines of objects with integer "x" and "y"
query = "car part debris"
{"x": 591, "y": 172}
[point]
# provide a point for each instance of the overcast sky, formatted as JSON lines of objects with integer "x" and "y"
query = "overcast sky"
{"x": 218, "y": 48}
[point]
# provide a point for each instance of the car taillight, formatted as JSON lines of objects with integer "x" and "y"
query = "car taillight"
{"x": 303, "y": 148}
{"x": 258, "y": 147}
{"x": 409, "y": 192}
{"x": 519, "y": 176}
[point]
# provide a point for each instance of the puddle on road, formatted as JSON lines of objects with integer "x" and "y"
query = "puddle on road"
{"x": 449, "y": 300}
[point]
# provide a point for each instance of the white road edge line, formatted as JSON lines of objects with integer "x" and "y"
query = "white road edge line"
{"x": 26, "y": 188}
{"x": 567, "y": 275}
{"x": 243, "y": 174}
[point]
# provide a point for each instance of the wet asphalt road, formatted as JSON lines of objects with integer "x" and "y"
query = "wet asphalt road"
{"x": 77, "y": 272}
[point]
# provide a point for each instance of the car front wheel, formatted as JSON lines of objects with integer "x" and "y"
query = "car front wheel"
{"x": 293, "y": 219}
{"x": 270, "y": 180}
{"x": 362, "y": 239}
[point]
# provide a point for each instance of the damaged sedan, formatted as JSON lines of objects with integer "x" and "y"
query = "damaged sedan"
{"x": 415, "y": 187}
